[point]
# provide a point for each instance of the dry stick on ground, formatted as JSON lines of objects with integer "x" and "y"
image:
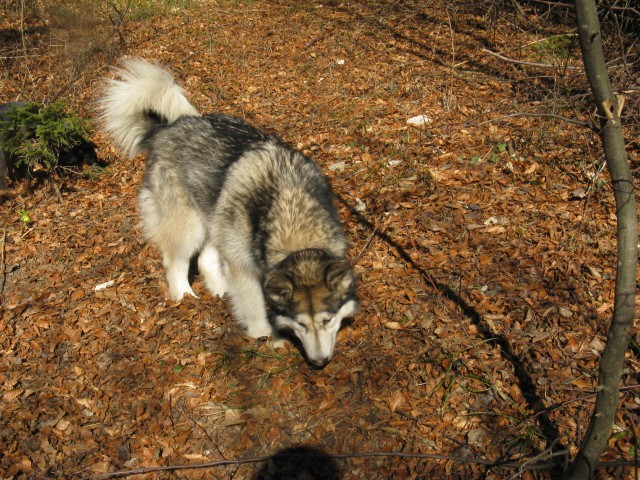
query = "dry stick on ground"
{"x": 530, "y": 64}
{"x": 620, "y": 331}
{"x": 366, "y": 245}
{"x": 451, "y": 32}
{"x": 427, "y": 456}
{"x": 555, "y": 406}
{"x": 594, "y": 183}
{"x": 555, "y": 117}
{"x": 547, "y": 454}
{"x": 318, "y": 38}
{"x": 117, "y": 23}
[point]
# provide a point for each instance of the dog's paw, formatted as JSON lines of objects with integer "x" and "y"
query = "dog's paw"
{"x": 216, "y": 290}
{"x": 277, "y": 342}
{"x": 177, "y": 296}
{"x": 259, "y": 331}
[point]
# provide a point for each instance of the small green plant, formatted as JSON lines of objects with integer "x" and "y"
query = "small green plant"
{"x": 631, "y": 438}
{"x": 555, "y": 47}
{"x": 35, "y": 135}
{"x": 492, "y": 155}
{"x": 498, "y": 149}
{"x": 24, "y": 216}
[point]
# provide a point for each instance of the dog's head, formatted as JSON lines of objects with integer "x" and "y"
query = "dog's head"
{"x": 309, "y": 295}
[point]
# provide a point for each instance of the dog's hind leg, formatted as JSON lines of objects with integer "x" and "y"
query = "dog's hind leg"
{"x": 184, "y": 241}
{"x": 212, "y": 268}
{"x": 177, "y": 270}
{"x": 177, "y": 230}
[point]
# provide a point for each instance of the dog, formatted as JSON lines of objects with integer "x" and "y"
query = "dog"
{"x": 258, "y": 215}
{"x": 82, "y": 152}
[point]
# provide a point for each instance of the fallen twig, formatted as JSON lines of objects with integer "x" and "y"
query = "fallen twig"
{"x": 553, "y": 407}
{"x": 530, "y": 64}
{"x": 524, "y": 466}
{"x": 366, "y": 245}
{"x": 554, "y": 116}
{"x": 545, "y": 455}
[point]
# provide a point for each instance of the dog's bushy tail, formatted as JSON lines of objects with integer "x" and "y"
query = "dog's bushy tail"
{"x": 143, "y": 96}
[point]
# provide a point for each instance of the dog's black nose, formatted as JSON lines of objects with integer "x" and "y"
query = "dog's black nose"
{"x": 320, "y": 363}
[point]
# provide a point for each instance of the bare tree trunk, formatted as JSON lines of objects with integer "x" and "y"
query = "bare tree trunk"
{"x": 612, "y": 358}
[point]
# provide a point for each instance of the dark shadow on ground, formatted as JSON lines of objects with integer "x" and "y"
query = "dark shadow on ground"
{"x": 298, "y": 463}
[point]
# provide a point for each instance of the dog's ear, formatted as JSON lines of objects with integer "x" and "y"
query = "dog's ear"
{"x": 278, "y": 287}
{"x": 339, "y": 276}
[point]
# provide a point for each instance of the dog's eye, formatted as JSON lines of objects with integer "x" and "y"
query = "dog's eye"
{"x": 326, "y": 321}
{"x": 302, "y": 325}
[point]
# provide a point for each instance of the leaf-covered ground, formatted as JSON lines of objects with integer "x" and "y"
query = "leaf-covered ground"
{"x": 484, "y": 242}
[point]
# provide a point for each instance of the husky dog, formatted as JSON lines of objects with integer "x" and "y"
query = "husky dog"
{"x": 258, "y": 215}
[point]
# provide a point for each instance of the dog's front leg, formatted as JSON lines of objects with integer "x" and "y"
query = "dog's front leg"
{"x": 248, "y": 302}
{"x": 212, "y": 269}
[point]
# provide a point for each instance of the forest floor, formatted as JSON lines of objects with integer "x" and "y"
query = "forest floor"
{"x": 484, "y": 242}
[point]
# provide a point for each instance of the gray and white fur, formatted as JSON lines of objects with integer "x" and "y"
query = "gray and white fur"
{"x": 259, "y": 215}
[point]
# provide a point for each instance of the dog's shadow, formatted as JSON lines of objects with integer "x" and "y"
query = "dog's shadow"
{"x": 299, "y": 463}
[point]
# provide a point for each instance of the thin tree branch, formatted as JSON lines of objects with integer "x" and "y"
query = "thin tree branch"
{"x": 366, "y": 245}
{"x": 530, "y": 64}
{"x": 619, "y": 335}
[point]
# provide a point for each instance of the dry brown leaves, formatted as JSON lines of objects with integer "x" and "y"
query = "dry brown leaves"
{"x": 485, "y": 246}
